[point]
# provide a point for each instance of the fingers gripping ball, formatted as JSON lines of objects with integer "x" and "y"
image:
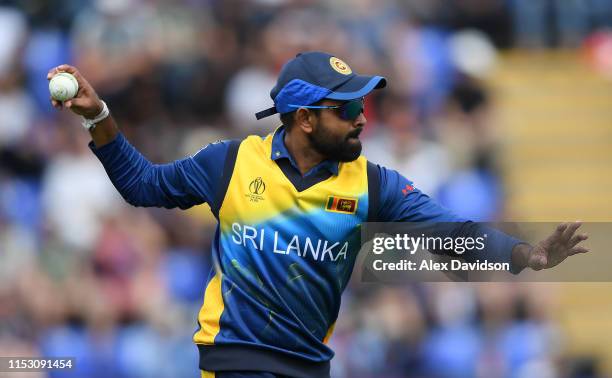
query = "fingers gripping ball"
{"x": 63, "y": 86}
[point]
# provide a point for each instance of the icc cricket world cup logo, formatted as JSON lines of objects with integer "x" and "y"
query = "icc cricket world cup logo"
{"x": 256, "y": 187}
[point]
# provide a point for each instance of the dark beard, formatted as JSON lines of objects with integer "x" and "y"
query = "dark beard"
{"x": 341, "y": 149}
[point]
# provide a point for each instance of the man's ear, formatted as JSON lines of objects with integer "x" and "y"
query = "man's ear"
{"x": 305, "y": 120}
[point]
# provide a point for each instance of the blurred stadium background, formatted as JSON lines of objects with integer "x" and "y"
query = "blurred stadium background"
{"x": 500, "y": 109}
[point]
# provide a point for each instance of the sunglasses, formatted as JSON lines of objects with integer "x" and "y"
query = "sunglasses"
{"x": 348, "y": 111}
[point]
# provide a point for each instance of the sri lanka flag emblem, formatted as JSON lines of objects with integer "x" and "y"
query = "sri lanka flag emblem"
{"x": 341, "y": 205}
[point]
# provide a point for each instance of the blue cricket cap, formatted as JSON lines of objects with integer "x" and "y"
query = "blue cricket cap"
{"x": 313, "y": 76}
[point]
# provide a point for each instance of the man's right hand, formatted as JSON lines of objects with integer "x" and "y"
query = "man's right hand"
{"x": 86, "y": 102}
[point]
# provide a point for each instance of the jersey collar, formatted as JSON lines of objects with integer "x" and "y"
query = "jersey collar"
{"x": 279, "y": 151}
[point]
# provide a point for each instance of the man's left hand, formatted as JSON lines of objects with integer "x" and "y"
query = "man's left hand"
{"x": 557, "y": 247}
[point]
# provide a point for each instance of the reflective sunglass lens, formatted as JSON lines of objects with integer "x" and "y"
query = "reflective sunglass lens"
{"x": 352, "y": 109}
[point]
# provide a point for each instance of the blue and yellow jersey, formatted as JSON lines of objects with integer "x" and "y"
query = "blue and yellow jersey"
{"x": 284, "y": 247}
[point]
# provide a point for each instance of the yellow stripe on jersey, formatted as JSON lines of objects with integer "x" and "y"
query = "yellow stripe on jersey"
{"x": 330, "y": 331}
{"x": 257, "y": 181}
{"x": 208, "y": 374}
{"x": 210, "y": 313}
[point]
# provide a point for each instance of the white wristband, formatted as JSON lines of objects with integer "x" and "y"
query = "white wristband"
{"x": 90, "y": 124}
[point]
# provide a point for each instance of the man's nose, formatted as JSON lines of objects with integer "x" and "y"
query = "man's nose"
{"x": 360, "y": 121}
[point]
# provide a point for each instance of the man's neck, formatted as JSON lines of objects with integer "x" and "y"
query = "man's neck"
{"x": 298, "y": 146}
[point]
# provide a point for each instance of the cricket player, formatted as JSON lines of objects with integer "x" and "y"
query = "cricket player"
{"x": 289, "y": 208}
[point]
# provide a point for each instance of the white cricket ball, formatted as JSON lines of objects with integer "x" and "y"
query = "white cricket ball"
{"x": 63, "y": 86}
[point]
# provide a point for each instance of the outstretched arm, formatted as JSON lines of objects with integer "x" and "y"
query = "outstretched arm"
{"x": 183, "y": 183}
{"x": 401, "y": 201}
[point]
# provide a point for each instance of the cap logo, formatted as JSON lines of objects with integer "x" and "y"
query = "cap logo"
{"x": 339, "y": 66}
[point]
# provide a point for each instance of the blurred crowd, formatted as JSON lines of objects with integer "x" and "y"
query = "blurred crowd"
{"x": 83, "y": 274}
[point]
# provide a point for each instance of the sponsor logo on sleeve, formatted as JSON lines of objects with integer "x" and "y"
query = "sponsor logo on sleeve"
{"x": 407, "y": 189}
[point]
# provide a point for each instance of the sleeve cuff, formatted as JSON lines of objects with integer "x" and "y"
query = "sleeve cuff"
{"x": 513, "y": 243}
{"x": 109, "y": 148}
